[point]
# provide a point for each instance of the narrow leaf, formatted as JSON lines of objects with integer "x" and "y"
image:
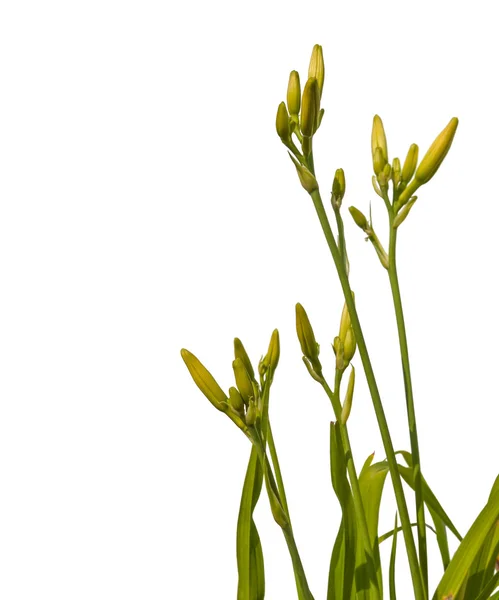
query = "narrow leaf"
{"x": 393, "y": 555}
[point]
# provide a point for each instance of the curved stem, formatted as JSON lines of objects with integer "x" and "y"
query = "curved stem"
{"x": 411, "y": 414}
{"x": 419, "y": 589}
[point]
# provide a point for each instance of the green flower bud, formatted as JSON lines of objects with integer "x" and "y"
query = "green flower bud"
{"x": 243, "y": 380}
{"x": 378, "y": 139}
{"x": 307, "y": 180}
{"x": 359, "y": 218}
{"x": 404, "y": 211}
{"x": 396, "y": 171}
{"x": 347, "y": 404}
{"x": 294, "y": 94}
{"x": 316, "y": 67}
{"x": 338, "y": 187}
{"x": 240, "y": 352}
{"x": 306, "y": 337}
{"x": 410, "y": 163}
{"x": 436, "y": 153}
{"x": 236, "y": 400}
{"x": 282, "y": 123}
{"x": 345, "y": 323}
{"x": 274, "y": 350}
{"x": 310, "y": 107}
{"x": 339, "y": 353}
{"x": 349, "y": 345}
{"x": 251, "y": 413}
{"x": 379, "y": 161}
{"x": 204, "y": 380}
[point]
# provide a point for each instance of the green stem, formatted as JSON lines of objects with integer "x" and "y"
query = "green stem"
{"x": 411, "y": 414}
{"x": 352, "y": 474}
{"x": 341, "y": 237}
{"x": 419, "y": 589}
{"x": 277, "y": 469}
{"x": 304, "y": 592}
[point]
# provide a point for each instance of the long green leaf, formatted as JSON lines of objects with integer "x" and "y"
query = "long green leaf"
{"x": 462, "y": 560}
{"x": 371, "y": 482}
{"x": 342, "y": 567}
{"x": 251, "y": 582}
{"x": 388, "y": 534}
{"x": 489, "y": 587}
{"x": 429, "y": 497}
{"x": 393, "y": 555}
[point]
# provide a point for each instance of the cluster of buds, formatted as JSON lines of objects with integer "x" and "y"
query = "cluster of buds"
{"x": 410, "y": 176}
{"x": 344, "y": 344}
{"x": 243, "y": 404}
{"x": 299, "y": 118}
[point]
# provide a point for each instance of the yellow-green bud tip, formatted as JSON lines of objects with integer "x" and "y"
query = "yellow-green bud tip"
{"x": 282, "y": 122}
{"x": 378, "y": 138}
{"x": 307, "y": 180}
{"x": 294, "y": 93}
{"x": 316, "y": 67}
{"x": 243, "y": 381}
{"x": 240, "y": 352}
{"x": 310, "y": 106}
{"x": 271, "y": 360}
{"x": 359, "y": 218}
{"x": 204, "y": 380}
{"x": 436, "y": 153}
{"x": 306, "y": 337}
{"x": 339, "y": 187}
{"x": 410, "y": 163}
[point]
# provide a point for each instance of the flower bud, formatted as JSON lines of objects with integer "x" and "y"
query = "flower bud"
{"x": 306, "y": 337}
{"x": 236, "y": 400}
{"x": 378, "y": 139}
{"x": 339, "y": 353}
{"x": 282, "y": 123}
{"x": 294, "y": 94}
{"x": 251, "y": 413}
{"x": 396, "y": 171}
{"x": 243, "y": 381}
{"x": 359, "y": 218}
{"x": 310, "y": 107}
{"x": 310, "y": 370}
{"x": 349, "y": 345}
{"x": 410, "y": 163}
{"x": 338, "y": 187}
{"x": 379, "y": 161}
{"x": 436, "y": 153}
{"x": 307, "y": 180}
{"x": 272, "y": 358}
{"x": 316, "y": 67}
{"x": 404, "y": 211}
{"x": 240, "y": 352}
{"x": 345, "y": 322}
{"x": 204, "y": 380}
{"x": 347, "y": 404}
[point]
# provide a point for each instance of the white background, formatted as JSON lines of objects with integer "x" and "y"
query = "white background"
{"x": 148, "y": 205}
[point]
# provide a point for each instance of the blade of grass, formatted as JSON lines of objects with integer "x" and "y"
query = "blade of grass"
{"x": 489, "y": 588}
{"x": 251, "y": 583}
{"x": 462, "y": 560}
{"x": 393, "y": 555}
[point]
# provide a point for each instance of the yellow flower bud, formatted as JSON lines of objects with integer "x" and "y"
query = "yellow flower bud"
{"x": 294, "y": 94}
{"x": 379, "y": 161}
{"x": 316, "y": 67}
{"x": 345, "y": 323}
{"x": 240, "y": 352}
{"x": 274, "y": 350}
{"x": 347, "y": 404}
{"x": 310, "y": 107}
{"x": 349, "y": 345}
{"x": 251, "y": 413}
{"x": 396, "y": 171}
{"x": 204, "y": 380}
{"x": 307, "y": 180}
{"x": 243, "y": 380}
{"x": 436, "y": 153}
{"x": 236, "y": 400}
{"x": 338, "y": 187}
{"x": 410, "y": 163}
{"x": 282, "y": 123}
{"x": 404, "y": 211}
{"x": 306, "y": 337}
{"x": 359, "y": 218}
{"x": 378, "y": 139}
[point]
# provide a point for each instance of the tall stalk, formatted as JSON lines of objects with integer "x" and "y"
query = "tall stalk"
{"x": 411, "y": 413}
{"x": 416, "y": 576}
